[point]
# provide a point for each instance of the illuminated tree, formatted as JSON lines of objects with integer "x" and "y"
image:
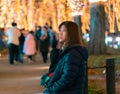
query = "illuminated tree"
{"x": 28, "y": 13}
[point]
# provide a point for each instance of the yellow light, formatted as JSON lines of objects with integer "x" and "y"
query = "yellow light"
{"x": 76, "y": 6}
{"x": 76, "y": 13}
{"x": 95, "y": 1}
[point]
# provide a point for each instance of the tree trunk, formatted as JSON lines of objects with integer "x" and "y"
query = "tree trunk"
{"x": 30, "y": 16}
{"x": 97, "y": 30}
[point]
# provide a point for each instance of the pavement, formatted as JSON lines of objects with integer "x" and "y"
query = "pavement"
{"x": 25, "y": 78}
{"x": 21, "y": 78}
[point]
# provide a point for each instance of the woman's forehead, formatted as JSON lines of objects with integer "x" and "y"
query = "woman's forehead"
{"x": 63, "y": 28}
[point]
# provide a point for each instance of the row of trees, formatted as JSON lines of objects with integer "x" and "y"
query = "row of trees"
{"x": 29, "y": 13}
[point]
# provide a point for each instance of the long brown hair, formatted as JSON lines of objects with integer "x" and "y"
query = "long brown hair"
{"x": 73, "y": 36}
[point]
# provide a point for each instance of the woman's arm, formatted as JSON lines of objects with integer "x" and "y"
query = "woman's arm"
{"x": 70, "y": 73}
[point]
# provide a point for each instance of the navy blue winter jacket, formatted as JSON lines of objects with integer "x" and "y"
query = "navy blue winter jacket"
{"x": 69, "y": 75}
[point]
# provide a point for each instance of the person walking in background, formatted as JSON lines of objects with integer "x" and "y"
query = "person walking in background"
{"x": 44, "y": 43}
{"x": 13, "y": 35}
{"x": 29, "y": 48}
{"x": 54, "y": 40}
{"x": 50, "y": 32}
{"x": 70, "y": 72}
{"x": 21, "y": 44}
{"x": 37, "y": 36}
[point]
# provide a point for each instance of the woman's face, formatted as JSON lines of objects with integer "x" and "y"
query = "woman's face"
{"x": 62, "y": 34}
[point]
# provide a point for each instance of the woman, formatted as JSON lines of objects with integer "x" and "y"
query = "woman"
{"x": 30, "y": 46}
{"x": 70, "y": 73}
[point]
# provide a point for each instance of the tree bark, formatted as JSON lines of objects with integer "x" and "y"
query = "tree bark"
{"x": 97, "y": 30}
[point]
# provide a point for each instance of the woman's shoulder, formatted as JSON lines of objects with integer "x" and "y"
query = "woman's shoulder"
{"x": 55, "y": 50}
{"x": 80, "y": 51}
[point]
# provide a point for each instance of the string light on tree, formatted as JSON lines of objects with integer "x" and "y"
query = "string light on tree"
{"x": 21, "y": 11}
{"x": 77, "y": 6}
{"x": 95, "y": 1}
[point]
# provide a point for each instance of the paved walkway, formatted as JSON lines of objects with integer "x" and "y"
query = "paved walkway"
{"x": 21, "y": 78}
{"x": 25, "y": 78}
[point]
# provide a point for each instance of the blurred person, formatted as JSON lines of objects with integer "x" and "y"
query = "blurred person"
{"x": 21, "y": 44}
{"x": 54, "y": 40}
{"x": 13, "y": 35}
{"x": 29, "y": 48}
{"x": 50, "y": 32}
{"x": 37, "y": 36}
{"x": 2, "y": 44}
{"x": 44, "y": 43}
{"x": 70, "y": 73}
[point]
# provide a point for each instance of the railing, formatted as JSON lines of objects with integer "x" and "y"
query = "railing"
{"x": 110, "y": 76}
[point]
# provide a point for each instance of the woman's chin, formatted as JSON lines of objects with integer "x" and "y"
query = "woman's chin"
{"x": 60, "y": 41}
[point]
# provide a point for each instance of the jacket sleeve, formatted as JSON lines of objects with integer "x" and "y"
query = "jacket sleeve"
{"x": 54, "y": 57}
{"x": 70, "y": 73}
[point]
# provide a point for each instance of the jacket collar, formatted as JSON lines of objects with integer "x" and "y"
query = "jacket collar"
{"x": 67, "y": 48}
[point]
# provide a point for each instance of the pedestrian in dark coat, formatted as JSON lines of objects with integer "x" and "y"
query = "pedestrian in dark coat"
{"x": 21, "y": 45}
{"x": 44, "y": 43}
{"x": 70, "y": 72}
{"x": 37, "y": 36}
